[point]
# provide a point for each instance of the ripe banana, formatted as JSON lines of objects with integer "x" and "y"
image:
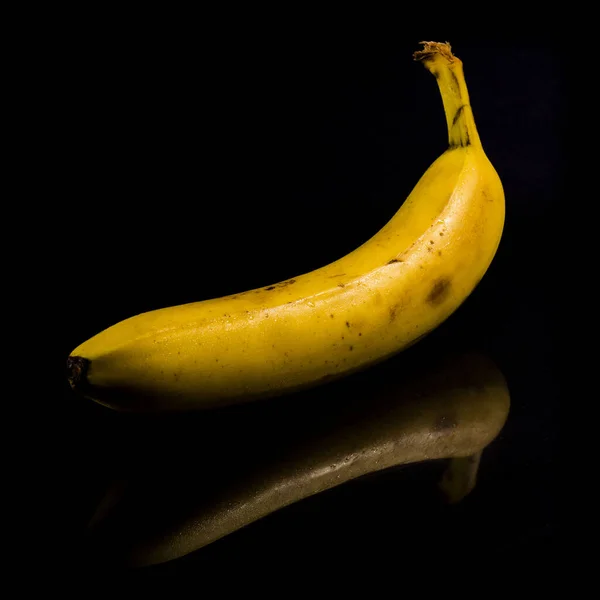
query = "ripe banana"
{"x": 372, "y": 303}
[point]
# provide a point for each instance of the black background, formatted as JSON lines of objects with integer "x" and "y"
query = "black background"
{"x": 203, "y": 165}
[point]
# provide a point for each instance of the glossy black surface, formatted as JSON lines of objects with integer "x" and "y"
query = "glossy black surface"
{"x": 206, "y": 168}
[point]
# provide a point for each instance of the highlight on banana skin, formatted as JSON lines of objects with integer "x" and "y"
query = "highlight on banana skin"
{"x": 316, "y": 327}
{"x": 215, "y": 473}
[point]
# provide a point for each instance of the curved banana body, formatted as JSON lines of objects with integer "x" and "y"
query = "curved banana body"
{"x": 358, "y": 310}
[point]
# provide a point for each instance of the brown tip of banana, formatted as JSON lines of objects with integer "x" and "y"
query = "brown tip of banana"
{"x": 432, "y": 48}
{"x": 76, "y": 371}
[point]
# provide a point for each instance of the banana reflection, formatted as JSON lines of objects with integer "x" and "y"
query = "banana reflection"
{"x": 188, "y": 480}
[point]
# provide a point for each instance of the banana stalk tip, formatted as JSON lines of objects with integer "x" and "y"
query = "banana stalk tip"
{"x": 76, "y": 371}
{"x": 431, "y": 49}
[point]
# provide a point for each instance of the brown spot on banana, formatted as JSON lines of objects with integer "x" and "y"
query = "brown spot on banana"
{"x": 439, "y": 291}
{"x": 486, "y": 196}
{"x": 281, "y": 284}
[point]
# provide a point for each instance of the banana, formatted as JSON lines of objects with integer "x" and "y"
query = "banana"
{"x": 360, "y": 309}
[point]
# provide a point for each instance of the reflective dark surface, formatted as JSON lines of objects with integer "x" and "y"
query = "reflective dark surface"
{"x": 204, "y": 476}
{"x": 200, "y": 174}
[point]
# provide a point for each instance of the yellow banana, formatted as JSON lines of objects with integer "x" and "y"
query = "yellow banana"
{"x": 372, "y": 303}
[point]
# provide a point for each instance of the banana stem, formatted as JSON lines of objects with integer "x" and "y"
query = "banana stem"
{"x": 448, "y": 72}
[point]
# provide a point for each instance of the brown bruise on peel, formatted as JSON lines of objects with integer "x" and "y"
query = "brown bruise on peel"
{"x": 269, "y": 288}
{"x": 280, "y": 285}
{"x": 486, "y": 196}
{"x": 439, "y": 291}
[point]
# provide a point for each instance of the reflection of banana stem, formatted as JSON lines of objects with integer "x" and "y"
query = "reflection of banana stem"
{"x": 460, "y": 476}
